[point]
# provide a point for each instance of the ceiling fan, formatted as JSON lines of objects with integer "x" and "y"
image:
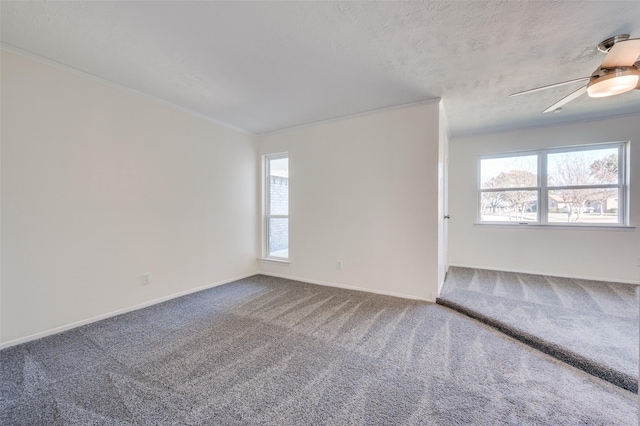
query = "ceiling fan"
{"x": 618, "y": 73}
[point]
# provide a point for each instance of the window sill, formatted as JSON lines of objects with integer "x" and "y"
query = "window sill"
{"x": 581, "y": 227}
{"x": 269, "y": 259}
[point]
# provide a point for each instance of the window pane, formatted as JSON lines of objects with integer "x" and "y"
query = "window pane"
{"x": 278, "y": 237}
{"x": 593, "y": 167}
{"x": 509, "y": 206}
{"x": 583, "y": 206}
{"x": 279, "y": 186}
{"x": 509, "y": 172}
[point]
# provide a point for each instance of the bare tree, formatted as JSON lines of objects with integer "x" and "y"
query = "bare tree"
{"x": 518, "y": 200}
{"x": 491, "y": 201}
{"x": 573, "y": 169}
{"x": 575, "y": 202}
{"x": 605, "y": 171}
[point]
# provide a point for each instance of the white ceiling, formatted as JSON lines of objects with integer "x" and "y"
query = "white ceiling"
{"x": 265, "y": 66}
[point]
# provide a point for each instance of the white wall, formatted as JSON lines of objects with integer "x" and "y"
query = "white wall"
{"x": 364, "y": 190}
{"x": 100, "y": 185}
{"x": 597, "y": 254}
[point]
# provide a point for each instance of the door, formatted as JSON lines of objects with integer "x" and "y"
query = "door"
{"x": 443, "y": 198}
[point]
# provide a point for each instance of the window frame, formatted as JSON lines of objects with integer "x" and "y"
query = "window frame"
{"x": 266, "y": 215}
{"x": 480, "y": 190}
{"x": 543, "y": 186}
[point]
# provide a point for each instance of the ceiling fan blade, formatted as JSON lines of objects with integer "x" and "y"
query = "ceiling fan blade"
{"x": 549, "y": 86}
{"x": 581, "y": 91}
{"x": 622, "y": 54}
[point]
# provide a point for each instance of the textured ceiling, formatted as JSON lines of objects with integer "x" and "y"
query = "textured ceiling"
{"x": 265, "y": 66}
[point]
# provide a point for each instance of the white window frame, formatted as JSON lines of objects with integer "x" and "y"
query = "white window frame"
{"x": 543, "y": 188}
{"x": 267, "y": 207}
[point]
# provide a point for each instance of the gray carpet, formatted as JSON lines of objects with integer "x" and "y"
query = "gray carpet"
{"x": 590, "y": 324}
{"x": 271, "y": 351}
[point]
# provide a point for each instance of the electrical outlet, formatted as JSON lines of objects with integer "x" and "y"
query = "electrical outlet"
{"x": 146, "y": 278}
{"x": 339, "y": 265}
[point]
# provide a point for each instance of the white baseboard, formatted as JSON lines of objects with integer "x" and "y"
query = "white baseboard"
{"x": 521, "y": 271}
{"x": 348, "y": 287}
{"x": 66, "y": 327}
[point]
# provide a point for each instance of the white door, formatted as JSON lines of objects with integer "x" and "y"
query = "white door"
{"x": 443, "y": 199}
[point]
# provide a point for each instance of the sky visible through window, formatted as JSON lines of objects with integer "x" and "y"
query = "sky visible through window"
{"x": 279, "y": 167}
{"x": 576, "y": 168}
{"x": 492, "y": 168}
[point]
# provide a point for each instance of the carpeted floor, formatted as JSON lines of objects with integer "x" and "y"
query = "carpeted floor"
{"x": 270, "y": 351}
{"x": 590, "y": 324}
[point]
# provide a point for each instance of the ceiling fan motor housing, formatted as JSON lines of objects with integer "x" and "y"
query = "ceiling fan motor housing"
{"x": 607, "y": 44}
{"x": 612, "y": 81}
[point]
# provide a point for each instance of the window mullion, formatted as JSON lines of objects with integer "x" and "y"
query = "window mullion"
{"x": 519, "y": 188}
{"x": 611, "y": 186}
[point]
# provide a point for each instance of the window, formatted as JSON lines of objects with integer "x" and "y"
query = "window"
{"x": 582, "y": 185}
{"x": 276, "y": 218}
{"x": 509, "y": 189}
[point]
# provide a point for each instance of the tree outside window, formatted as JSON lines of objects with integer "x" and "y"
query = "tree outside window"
{"x": 571, "y": 185}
